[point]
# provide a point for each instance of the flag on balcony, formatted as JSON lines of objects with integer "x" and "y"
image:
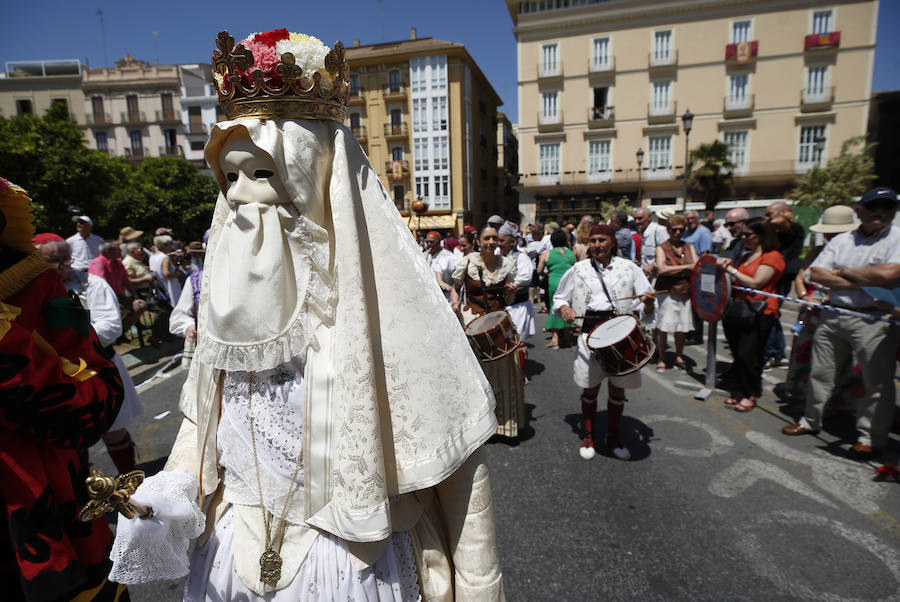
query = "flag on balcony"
{"x": 742, "y": 52}
{"x": 822, "y": 40}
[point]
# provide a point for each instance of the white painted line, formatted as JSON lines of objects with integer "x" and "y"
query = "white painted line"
{"x": 743, "y": 474}
{"x": 162, "y": 415}
{"x": 720, "y": 443}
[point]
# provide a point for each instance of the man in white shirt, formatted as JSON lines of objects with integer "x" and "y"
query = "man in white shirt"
{"x": 521, "y": 311}
{"x": 867, "y": 256}
{"x": 652, "y": 235}
{"x": 83, "y": 245}
{"x": 441, "y": 260}
{"x": 583, "y": 296}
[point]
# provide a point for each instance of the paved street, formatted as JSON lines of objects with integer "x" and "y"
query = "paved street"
{"x": 715, "y": 505}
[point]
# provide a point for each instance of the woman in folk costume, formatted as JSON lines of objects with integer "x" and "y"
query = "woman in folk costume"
{"x": 521, "y": 310}
{"x": 328, "y": 461}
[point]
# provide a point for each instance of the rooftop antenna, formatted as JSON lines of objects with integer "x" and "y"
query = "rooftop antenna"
{"x": 156, "y": 43}
{"x": 103, "y": 35}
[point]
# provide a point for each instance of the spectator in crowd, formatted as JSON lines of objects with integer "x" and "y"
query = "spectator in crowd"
{"x": 652, "y": 235}
{"x": 465, "y": 244}
{"x": 441, "y": 260}
{"x": 450, "y": 244}
{"x": 636, "y": 240}
{"x": 587, "y": 218}
{"x": 697, "y": 234}
{"x": 557, "y": 260}
{"x": 569, "y": 227}
{"x": 749, "y": 318}
{"x": 709, "y": 220}
{"x": 168, "y": 285}
{"x": 496, "y": 221}
{"x": 99, "y": 298}
{"x": 108, "y": 265}
{"x": 848, "y": 386}
{"x": 866, "y": 256}
{"x": 721, "y": 236}
{"x": 521, "y": 310}
{"x": 582, "y": 240}
{"x": 83, "y": 245}
{"x": 618, "y": 219}
{"x": 674, "y": 259}
{"x": 183, "y": 320}
{"x": 129, "y": 234}
{"x": 139, "y": 275}
{"x": 790, "y": 240}
{"x": 734, "y": 222}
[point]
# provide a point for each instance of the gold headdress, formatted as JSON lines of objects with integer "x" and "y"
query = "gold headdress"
{"x": 16, "y": 206}
{"x": 255, "y": 79}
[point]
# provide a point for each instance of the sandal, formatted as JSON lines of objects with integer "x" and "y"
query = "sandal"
{"x": 661, "y": 367}
{"x": 731, "y": 401}
{"x": 745, "y": 405}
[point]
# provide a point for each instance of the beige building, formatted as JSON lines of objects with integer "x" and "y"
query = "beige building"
{"x": 30, "y": 87}
{"x": 783, "y": 82}
{"x": 507, "y": 168}
{"x": 133, "y": 109}
{"x": 427, "y": 118}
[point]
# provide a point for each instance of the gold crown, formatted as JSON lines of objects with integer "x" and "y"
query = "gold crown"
{"x": 282, "y": 92}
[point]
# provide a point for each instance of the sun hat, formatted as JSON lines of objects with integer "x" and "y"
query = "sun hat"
{"x": 664, "y": 213}
{"x": 837, "y": 218}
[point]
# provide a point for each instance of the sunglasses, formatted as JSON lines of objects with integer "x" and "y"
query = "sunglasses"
{"x": 730, "y": 224}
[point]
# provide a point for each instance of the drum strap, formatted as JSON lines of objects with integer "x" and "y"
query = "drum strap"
{"x": 603, "y": 284}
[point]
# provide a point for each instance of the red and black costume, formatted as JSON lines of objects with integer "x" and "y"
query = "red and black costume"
{"x": 58, "y": 394}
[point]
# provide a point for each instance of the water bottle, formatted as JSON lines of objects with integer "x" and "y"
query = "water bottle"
{"x": 797, "y": 327}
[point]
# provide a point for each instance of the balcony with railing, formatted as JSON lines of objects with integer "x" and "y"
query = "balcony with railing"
{"x": 98, "y": 119}
{"x": 133, "y": 118}
{"x": 396, "y": 130}
{"x": 550, "y": 122}
{"x": 601, "y": 64}
{"x": 359, "y": 132}
{"x": 171, "y": 151}
{"x": 397, "y": 169}
{"x": 816, "y": 42}
{"x": 600, "y": 117}
{"x": 167, "y": 116}
{"x": 550, "y": 70}
{"x": 135, "y": 154}
{"x": 661, "y": 112}
{"x": 738, "y": 106}
{"x": 196, "y": 128}
{"x": 394, "y": 91}
{"x": 816, "y": 99}
{"x": 356, "y": 96}
{"x": 662, "y": 60}
{"x": 741, "y": 53}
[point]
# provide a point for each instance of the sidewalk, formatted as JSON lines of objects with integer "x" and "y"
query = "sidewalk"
{"x": 143, "y": 362}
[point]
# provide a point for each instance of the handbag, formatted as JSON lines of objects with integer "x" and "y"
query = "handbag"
{"x": 744, "y": 310}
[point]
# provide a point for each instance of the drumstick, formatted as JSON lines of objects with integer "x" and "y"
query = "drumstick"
{"x": 636, "y": 296}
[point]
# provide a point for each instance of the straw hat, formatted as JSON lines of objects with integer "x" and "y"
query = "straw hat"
{"x": 838, "y": 218}
{"x": 129, "y": 234}
{"x": 664, "y": 214}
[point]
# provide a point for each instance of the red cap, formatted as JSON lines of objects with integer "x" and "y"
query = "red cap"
{"x": 45, "y": 237}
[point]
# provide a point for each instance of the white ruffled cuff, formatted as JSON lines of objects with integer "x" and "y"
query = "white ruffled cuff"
{"x": 155, "y": 549}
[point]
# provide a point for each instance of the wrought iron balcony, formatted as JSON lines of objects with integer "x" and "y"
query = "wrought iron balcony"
{"x": 98, "y": 119}
{"x": 818, "y": 99}
{"x": 359, "y": 132}
{"x": 548, "y": 123}
{"x": 600, "y": 117}
{"x": 396, "y": 130}
{"x": 601, "y": 64}
{"x": 167, "y": 116}
{"x": 738, "y": 106}
{"x": 661, "y": 112}
{"x": 550, "y": 71}
{"x": 133, "y": 118}
{"x": 659, "y": 59}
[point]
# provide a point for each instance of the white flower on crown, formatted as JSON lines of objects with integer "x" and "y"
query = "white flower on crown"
{"x": 309, "y": 54}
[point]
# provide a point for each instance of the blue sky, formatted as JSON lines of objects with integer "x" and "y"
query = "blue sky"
{"x": 54, "y": 29}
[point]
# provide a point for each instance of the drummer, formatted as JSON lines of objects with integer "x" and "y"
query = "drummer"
{"x": 521, "y": 311}
{"x": 590, "y": 289}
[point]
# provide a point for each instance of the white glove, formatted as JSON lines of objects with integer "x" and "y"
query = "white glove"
{"x": 155, "y": 549}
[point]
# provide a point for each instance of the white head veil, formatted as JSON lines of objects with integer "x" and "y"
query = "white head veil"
{"x": 407, "y": 401}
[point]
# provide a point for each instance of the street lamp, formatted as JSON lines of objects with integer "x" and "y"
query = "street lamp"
{"x": 687, "y": 121}
{"x": 640, "y": 159}
{"x": 819, "y": 146}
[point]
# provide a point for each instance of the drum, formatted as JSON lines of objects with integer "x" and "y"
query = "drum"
{"x": 492, "y": 335}
{"x": 620, "y": 345}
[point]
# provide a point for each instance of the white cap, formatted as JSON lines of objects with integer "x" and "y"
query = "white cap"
{"x": 82, "y": 218}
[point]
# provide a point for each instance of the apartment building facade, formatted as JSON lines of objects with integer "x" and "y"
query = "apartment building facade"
{"x": 133, "y": 109}
{"x": 782, "y": 82}
{"x": 30, "y": 87}
{"x": 507, "y": 168}
{"x": 200, "y": 109}
{"x": 427, "y": 118}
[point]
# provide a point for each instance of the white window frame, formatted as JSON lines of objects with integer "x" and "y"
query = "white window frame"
{"x": 832, "y": 22}
{"x": 546, "y": 176}
{"x": 605, "y": 66}
{"x": 731, "y": 38}
{"x": 657, "y": 169}
{"x": 670, "y": 58}
{"x": 595, "y": 162}
{"x": 543, "y": 67}
{"x": 820, "y": 95}
{"x": 805, "y": 164}
{"x": 656, "y": 108}
{"x": 740, "y": 168}
{"x": 550, "y": 100}
{"x": 737, "y": 102}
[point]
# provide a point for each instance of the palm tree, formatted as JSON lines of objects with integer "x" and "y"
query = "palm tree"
{"x": 712, "y": 172}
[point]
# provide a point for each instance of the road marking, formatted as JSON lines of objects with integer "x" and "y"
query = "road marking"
{"x": 785, "y": 576}
{"x": 157, "y": 378}
{"x": 743, "y": 474}
{"x": 720, "y": 443}
{"x": 847, "y": 481}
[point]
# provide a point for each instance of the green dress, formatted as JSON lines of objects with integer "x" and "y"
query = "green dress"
{"x": 559, "y": 261}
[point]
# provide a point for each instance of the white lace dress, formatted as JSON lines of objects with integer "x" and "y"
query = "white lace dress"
{"x": 327, "y": 572}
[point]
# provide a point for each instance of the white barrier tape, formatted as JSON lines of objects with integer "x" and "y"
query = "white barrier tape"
{"x": 831, "y": 308}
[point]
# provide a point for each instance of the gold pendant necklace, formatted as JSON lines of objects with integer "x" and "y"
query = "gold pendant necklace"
{"x": 270, "y": 562}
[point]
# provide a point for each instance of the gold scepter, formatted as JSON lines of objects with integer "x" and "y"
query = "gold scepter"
{"x": 114, "y": 494}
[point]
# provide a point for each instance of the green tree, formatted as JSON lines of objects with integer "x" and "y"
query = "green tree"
{"x": 846, "y": 176}
{"x": 712, "y": 172}
{"x": 161, "y": 191}
{"x": 48, "y": 158}
{"x": 606, "y": 207}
